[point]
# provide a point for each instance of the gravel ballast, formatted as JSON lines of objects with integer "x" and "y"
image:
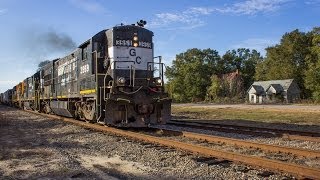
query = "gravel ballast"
{"x": 35, "y": 147}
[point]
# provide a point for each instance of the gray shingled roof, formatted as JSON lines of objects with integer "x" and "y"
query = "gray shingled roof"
{"x": 265, "y": 84}
{"x": 259, "y": 89}
{"x": 277, "y": 87}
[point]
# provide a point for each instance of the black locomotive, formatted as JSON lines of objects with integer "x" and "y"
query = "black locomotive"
{"x": 112, "y": 78}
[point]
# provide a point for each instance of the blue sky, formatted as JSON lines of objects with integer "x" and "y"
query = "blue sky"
{"x": 177, "y": 24}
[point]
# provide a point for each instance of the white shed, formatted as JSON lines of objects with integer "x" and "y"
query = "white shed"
{"x": 256, "y": 94}
{"x": 274, "y": 91}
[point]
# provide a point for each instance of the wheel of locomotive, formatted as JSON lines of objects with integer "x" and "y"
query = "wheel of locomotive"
{"x": 24, "y": 107}
{"x": 32, "y": 106}
{"x": 46, "y": 108}
{"x": 88, "y": 110}
{"x": 78, "y": 112}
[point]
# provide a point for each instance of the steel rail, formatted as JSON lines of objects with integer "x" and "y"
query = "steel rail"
{"x": 268, "y": 132}
{"x": 247, "y": 144}
{"x": 218, "y": 128}
{"x": 297, "y": 170}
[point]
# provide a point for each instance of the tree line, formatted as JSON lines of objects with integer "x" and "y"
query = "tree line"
{"x": 194, "y": 74}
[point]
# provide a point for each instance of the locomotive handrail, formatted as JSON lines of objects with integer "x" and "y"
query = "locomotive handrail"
{"x": 98, "y": 90}
{"x": 133, "y": 69}
{"x": 160, "y": 63}
{"x": 131, "y": 92}
{"x": 113, "y": 73}
{"x": 161, "y": 70}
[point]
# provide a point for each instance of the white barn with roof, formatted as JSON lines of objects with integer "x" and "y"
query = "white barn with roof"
{"x": 274, "y": 91}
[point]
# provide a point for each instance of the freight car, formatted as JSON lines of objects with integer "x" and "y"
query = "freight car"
{"x": 112, "y": 78}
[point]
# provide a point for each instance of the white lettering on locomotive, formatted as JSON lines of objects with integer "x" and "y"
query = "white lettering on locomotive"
{"x": 130, "y": 43}
{"x": 123, "y": 42}
{"x": 67, "y": 67}
{"x": 65, "y": 79}
{"x": 125, "y": 57}
{"x": 145, "y": 44}
{"x": 66, "y": 71}
{"x": 84, "y": 69}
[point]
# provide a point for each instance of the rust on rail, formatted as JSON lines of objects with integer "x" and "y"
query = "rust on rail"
{"x": 238, "y": 142}
{"x": 268, "y": 132}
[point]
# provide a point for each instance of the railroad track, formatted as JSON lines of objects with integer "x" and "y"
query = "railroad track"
{"x": 246, "y": 144}
{"x": 294, "y": 169}
{"x": 256, "y": 131}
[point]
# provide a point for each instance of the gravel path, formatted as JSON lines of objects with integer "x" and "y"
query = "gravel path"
{"x": 36, "y": 147}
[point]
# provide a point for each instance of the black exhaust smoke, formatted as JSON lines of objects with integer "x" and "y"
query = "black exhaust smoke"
{"x": 40, "y": 44}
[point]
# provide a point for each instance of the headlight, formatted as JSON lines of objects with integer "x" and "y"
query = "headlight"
{"x": 158, "y": 81}
{"x": 135, "y": 38}
{"x": 121, "y": 80}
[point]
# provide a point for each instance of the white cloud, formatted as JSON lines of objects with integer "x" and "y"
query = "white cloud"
{"x": 312, "y": 2}
{"x": 90, "y": 6}
{"x": 201, "y": 10}
{"x": 3, "y": 11}
{"x": 188, "y": 19}
{"x": 251, "y": 7}
{"x": 193, "y": 17}
{"x": 259, "y": 44}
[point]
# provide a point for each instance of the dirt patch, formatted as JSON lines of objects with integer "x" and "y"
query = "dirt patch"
{"x": 104, "y": 165}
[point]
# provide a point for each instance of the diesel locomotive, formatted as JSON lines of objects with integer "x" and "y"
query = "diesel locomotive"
{"x": 112, "y": 78}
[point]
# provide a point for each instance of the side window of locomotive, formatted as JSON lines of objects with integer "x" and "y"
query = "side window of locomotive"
{"x": 85, "y": 53}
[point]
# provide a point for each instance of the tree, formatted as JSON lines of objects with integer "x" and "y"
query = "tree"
{"x": 312, "y": 75}
{"x": 195, "y": 73}
{"x": 189, "y": 75}
{"x": 215, "y": 89}
{"x": 287, "y": 60}
{"x": 244, "y": 60}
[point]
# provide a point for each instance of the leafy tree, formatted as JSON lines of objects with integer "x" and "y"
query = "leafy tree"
{"x": 194, "y": 73}
{"x": 287, "y": 60}
{"x": 197, "y": 73}
{"x": 215, "y": 89}
{"x": 312, "y": 75}
{"x": 189, "y": 75}
{"x": 245, "y": 61}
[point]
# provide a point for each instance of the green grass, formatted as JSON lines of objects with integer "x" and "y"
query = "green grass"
{"x": 261, "y": 115}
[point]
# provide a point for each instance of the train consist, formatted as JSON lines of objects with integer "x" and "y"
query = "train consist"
{"x": 113, "y": 78}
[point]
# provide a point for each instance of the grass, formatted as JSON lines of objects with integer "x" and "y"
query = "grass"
{"x": 261, "y": 115}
